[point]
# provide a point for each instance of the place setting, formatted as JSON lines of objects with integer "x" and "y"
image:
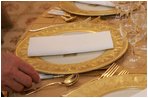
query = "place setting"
{"x": 62, "y": 54}
{"x": 73, "y": 62}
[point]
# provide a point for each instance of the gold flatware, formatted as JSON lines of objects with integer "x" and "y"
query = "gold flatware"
{"x": 48, "y": 16}
{"x": 42, "y": 28}
{"x": 66, "y": 16}
{"x": 87, "y": 19}
{"x": 110, "y": 71}
{"x": 70, "y": 80}
{"x": 123, "y": 72}
{"x": 39, "y": 29}
{"x": 69, "y": 18}
{"x": 97, "y": 19}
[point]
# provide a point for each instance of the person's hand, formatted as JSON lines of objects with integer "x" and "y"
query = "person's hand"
{"x": 16, "y": 74}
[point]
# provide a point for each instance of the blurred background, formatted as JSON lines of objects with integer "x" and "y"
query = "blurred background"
{"x": 16, "y": 16}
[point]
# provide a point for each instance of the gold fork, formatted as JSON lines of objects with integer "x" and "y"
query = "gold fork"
{"x": 123, "y": 72}
{"x": 110, "y": 71}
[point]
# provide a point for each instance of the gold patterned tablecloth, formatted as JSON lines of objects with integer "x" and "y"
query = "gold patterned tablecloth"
{"x": 59, "y": 90}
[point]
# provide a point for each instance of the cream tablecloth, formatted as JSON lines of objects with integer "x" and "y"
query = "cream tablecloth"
{"x": 59, "y": 90}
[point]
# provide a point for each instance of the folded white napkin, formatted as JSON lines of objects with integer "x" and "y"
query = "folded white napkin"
{"x": 66, "y": 44}
{"x": 49, "y": 76}
{"x": 56, "y": 12}
{"x": 104, "y": 3}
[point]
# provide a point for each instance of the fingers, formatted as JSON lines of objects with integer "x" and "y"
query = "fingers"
{"x": 16, "y": 74}
{"x": 23, "y": 78}
{"x": 6, "y": 88}
{"x": 26, "y": 68}
{"x": 17, "y": 87}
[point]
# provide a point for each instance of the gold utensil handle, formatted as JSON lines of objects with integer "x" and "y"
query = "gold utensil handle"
{"x": 36, "y": 90}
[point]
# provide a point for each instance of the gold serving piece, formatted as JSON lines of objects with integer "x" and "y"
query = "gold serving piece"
{"x": 70, "y": 80}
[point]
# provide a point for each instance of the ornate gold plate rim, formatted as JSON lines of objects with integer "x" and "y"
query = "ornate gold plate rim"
{"x": 106, "y": 58}
{"x": 96, "y": 88}
{"x": 70, "y": 7}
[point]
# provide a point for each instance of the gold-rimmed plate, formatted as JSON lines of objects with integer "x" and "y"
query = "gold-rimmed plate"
{"x": 98, "y": 88}
{"x": 74, "y": 63}
{"x": 87, "y": 9}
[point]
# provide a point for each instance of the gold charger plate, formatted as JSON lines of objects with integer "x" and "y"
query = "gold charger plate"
{"x": 106, "y": 58}
{"x": 96, "y": 88}
{"x": 70, "y": 7}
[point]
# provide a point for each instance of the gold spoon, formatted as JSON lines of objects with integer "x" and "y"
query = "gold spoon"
{"x": 70, "y": 80}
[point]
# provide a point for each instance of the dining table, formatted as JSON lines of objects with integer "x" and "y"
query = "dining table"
{"x": 46, "y": 20}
